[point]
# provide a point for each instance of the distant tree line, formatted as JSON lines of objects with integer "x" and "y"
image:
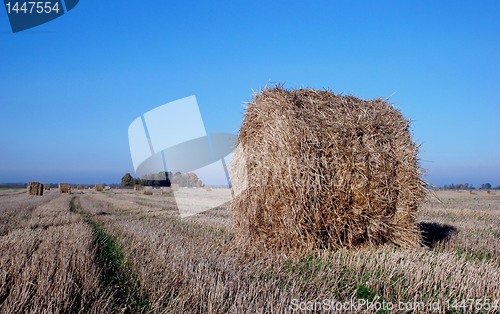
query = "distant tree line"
{"x": 467, "y": 186}
{"x": 163, "y": 179}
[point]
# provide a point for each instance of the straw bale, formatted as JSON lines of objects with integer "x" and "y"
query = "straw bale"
{"x": 64, "y": 188}
{"x": 35, "y": 188}
{"x": 323, "y": 171}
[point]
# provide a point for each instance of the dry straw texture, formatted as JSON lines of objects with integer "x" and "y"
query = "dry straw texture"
{"x": 64, "y": 188}
{"x": 99, "y": 187}
{"x": 324, "y": 171}
{"x": 35, "y": 188}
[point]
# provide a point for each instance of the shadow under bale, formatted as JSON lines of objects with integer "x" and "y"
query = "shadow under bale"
{"x": 433, "y": 233}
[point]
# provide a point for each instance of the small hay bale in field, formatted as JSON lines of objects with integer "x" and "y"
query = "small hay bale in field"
{"x": 322, "y": 171}
{"x": 64, "y": 188}
{"x": 148, "y": 190}
{"x": 99, "y": 187}
{"x": 175, "y": 187}
{"x": 138, "y": 187}
{"x": 35, "y": 188}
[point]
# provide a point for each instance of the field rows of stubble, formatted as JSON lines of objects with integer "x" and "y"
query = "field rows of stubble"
{"x": 189, "y": 265}
{"x": 47, "y": 260}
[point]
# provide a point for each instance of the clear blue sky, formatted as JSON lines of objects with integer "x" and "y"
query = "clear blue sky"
{"x": 70, "y": 88}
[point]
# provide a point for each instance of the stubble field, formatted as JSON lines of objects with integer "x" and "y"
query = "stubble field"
{"x": 121, "y": 251}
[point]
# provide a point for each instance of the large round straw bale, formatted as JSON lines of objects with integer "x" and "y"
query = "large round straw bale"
{"x": 324, "y": 171}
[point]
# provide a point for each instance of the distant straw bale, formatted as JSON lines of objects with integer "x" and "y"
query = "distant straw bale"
{"x": 323, "y": 171}
{"x": 35, "y": 188}
{"x": 138, "y": 187}
{"x": 148, "y": 190}
{"x": 64, "y": 188}
{"x": 99, "y": 187}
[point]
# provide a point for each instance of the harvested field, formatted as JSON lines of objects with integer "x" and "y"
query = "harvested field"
{"x": 16, "y": 207}
{"x": 47, "y": 260}
{"x": 160, "y": 263}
